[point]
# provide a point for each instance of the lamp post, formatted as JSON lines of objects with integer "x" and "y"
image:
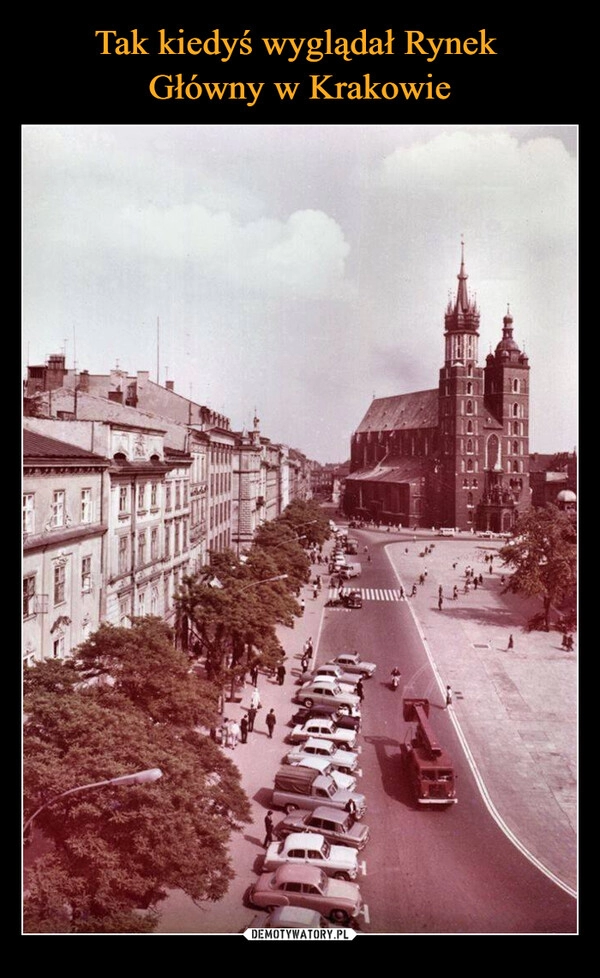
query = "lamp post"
{"x": 139, "y": 777}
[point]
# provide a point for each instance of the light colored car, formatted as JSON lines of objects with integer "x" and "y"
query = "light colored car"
{"x": 308, "y": 886}
{"x": 324, "y": 691}
{"x": 288, "y": 917}
{"x": 351, "y": 662}
{"x": 325, "y": 729}
{"x": 345, "y": 761}
{"x": 345, "y": 782}
{"x": 334, "y": 671}
{"x": 311, "y": 849}
{"x": 334, "y": 823}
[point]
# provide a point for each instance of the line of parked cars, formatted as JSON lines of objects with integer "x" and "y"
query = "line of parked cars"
{"x": 312, "y": 864}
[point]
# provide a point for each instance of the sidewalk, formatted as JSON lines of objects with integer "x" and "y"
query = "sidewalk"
{"x": 517, "y": 709}
{"x": 258, "y": 760}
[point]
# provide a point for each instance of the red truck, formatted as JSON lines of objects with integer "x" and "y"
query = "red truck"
{"x": 429, "y": 768}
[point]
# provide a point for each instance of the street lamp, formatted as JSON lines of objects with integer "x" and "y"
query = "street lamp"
{"x": 266, "y": 580}
{"x": 140, "y": 777}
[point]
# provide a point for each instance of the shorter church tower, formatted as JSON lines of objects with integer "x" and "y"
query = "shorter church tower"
{"x": 506, "y": 450}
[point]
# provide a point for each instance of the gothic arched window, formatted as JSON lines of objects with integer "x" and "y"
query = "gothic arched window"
{"x": 469, "y": 465}
{"x": 515, "y": 410}
{"x": 469, "y": 447}
{"x": 469, "y": 388}
{"x": 515, "y": 386}
{"x": 469, "y": 427}
{"x": 515, "y": 447}
{"x": 515, "y": 427}
{"x": 469, "y": 407}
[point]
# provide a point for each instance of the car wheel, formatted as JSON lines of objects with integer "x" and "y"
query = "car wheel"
{"x": 290, "y": 808}
{"x": 308, "y": 704}
{"x": 339, "y": 916}
{"x": 341, "y": 876}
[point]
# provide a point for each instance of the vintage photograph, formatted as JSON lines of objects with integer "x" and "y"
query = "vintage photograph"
{"x": 300, "y": 458}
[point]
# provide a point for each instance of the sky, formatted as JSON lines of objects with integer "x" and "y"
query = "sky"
{"x": 299, "y": 271}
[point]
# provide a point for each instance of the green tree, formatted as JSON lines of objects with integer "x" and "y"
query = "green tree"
{"x": 543, "y": 555}
{"x": 117, "y": 850}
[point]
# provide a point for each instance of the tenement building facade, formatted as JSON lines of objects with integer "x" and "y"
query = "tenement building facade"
{"x": 454, "y": 456}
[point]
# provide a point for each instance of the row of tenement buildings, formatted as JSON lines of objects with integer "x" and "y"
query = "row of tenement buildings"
{"x": 127, "y": 487}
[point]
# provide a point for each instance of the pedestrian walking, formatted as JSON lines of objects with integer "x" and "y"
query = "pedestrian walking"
{"x": 491, "y": 568}
{"x": 302, "y": 605}
{"x": 271, "y": 720}
{"x": 440, "y": 602}
{"x": 401, "y": 593}
{"x": 425, "y": 571}
{"x": 225, "y": 732}
{"x": 350, "y": 807}
{"x": 360, "y": 690}
{"x": 308, "y": 647}
{"x": 476, "y": 583}
{"x": 570, "y": 643}
{"x": 304, "y": 662}
{"x": 234, "y": 733}
{"x": 481, "y": 580}
{"x": 315, "y": 591}
{"x": 448, "y": 696}
{"x": 511, "y": 643}
{"x": 254, "y": 674}
{"x": 421, "y": 578}
{"x": 255, "y": 700}
{"x": 244, "y": 729}
{"x": 280, "y": 674}
{"x": 414, "y": 591}
{"x": 251, "y": 718}
{"x": 268, "y": 829}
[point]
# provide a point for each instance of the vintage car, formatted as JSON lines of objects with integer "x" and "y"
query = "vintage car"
{"x": 334, "y": 671}
{"x": 324, "y": 691}
{"x": 351, "y": 662}
{"x": 308, "y": 886}
{"x": 345, "y": 761}
{"x": 325, "y": 729}
{"x": 330, "y": 711}
{"x": 345, "y": 782}
{"x": 290, "y": 916}
{"x": 311, "y": 849}
{"x": 333, "y": 823}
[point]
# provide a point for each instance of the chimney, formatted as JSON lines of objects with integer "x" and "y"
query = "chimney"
{"x": 170, "y": 385}
{"x": 84, "y": 381}
{"x": 116, "y": 396}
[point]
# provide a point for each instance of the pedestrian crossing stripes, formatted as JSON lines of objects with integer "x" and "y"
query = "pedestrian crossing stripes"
{"x": 367, "y": 594}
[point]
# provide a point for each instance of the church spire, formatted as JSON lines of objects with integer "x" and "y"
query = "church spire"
{"x": 463, "y": 315}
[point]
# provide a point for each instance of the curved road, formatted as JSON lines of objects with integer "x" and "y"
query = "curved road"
{"x": 439, "y": 870}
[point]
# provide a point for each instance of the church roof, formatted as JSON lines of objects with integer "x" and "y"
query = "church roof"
{"x": 395, "y": 468}
{"x": 402, "y": 411}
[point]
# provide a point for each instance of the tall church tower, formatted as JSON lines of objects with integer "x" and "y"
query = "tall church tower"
{"x": 459, "y": 476}
{"x": 506, "y": 450}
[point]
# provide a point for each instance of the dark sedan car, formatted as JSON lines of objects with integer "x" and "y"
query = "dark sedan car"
{"x": 327, "y": 711}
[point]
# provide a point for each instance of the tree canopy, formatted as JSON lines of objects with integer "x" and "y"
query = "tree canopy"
{"x": 543, "y": 555}
{"x": 116, "y": 850}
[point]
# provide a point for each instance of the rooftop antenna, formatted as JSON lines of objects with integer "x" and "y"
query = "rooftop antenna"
{"x": 157, "y": 350}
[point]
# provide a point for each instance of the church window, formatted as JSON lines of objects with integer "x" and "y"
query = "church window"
{"x": 469, "y": 388}
{"x": 469, "y": 427}
{"x": 515, "y": 447}
{"x": 515, "y": 427}
{"x": 469, "y": 446}
{"x": 469, "y": 465}
{"x": 515, "y": 410}
{"x": 515, "y": 386}
{"x": 470, "y": 370}
{"x": 469, "y": 407}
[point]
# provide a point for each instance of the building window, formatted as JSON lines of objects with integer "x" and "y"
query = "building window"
{"x": 469, "y": 407}
{"x": 58, "y": 647}
{"x": 28, "y": 513}
{"x": 123, "y": 555}
{"x": 167, "y": 539}
{"x": 469, "y": 427}
{"x": 29, "y": 596}
{"x": 469, "y": 388}
{"x": 123, "y": 610}
{"x": 185, "y": 493}
{"x": 86, "y": 505}
{"x": 469, "y": 465}
{"x": 184, "y": 535}
{"x": 154, "y": 601}
{"x": 59, "y": 583}
{"x": 141, "y": 497}
{"x": 470, "y": 370}
{"x": 154, "y": 495}
{"x": 58, "y": 508}
{"x": 176, "y": 538}
{"x": 154, "y": 544}
{"x": 168, "y": 498}
{"x": 86, "y": 574}
{"x": 515, "y": 427}
{"x": 141, "y": 610}
{"x": 122, "y": 499}
{"x": 515, "y": 386}
{"x": 469, "y": 446}
{"x": 515, "y": 410}
{"x": 177, "y": 495}
{"x": 141, "y": 548}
